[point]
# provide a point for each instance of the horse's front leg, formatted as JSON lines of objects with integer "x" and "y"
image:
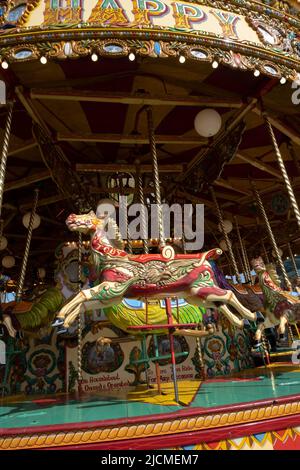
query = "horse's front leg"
{"x": 8, "y": 323}
{"x": 258, "y": 335}
{"x": 282, "y": 327}
{"x": 234, "y": 320}
{"x": 105, "y": 294}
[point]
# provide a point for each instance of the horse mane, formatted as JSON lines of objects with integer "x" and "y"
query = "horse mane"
{"x": 118, "y": 242}
{"x": 271, "y": 270}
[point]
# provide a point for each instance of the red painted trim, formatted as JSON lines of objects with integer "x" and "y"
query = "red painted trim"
{"x": 192, "y": 438}
{"x": 184, "y": 413}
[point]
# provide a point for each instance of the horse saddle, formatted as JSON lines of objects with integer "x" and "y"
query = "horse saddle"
{"x": 17, "y": 308}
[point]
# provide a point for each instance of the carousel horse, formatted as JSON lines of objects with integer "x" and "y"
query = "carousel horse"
{"x": 148, "y": 276}
{"x": 280, "y": 308}
{"x": 31, "y": 316}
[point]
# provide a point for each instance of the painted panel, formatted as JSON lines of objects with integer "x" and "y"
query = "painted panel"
{"x": 145, "y": 14}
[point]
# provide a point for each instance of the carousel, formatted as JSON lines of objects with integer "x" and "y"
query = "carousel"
{"x": 150, "y": 225}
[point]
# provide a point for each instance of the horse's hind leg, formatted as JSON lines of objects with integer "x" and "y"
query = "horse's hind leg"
{"x": 231, "y": 299}
{"x": 234, "y": 320}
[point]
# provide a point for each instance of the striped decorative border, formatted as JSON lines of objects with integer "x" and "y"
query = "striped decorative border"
{"x": 149, "y": 427}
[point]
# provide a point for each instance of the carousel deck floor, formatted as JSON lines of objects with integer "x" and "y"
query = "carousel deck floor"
{"x": 254, "y": 385}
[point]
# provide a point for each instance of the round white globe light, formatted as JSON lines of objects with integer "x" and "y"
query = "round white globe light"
{"x": 227, "y": 226}
{"x": 43, "y": 60}
{"x": 208, "y": 122}
{"x": 36, "y": 220}
{"x": 223, "y": 245}
{"x": 3, "y": 243}
{"x": 41, "y": 273}
{"x": 8, "y": 262}
{"x": 280, "y": 252}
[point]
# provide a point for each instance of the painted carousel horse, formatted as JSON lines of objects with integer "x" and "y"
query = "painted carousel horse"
{"x": 148, "y": 276}
{"x": 31, "y": 317}
{"x": 280, "y": 308}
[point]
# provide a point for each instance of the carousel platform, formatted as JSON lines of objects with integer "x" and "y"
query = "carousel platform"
{"x": 258, "y": 408}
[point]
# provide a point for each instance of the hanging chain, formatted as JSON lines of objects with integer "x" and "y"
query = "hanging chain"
{"x": 162, "y": 241}
{"x": 265, "y": 252}
{"x": 5, "y": 152}
{"x": 27, "y": 247}
{"x": 292, "y": 259}
{"x": 225, "y": 235}
{"x": 283, "y": 169}
{"x": 271, "y": 235}
{"x": 243, "y": 251}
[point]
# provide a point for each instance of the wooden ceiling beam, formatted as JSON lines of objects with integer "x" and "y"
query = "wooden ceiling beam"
{"x": 28, "y": 180}
{"x": 125, "y": 191}
{"x": 225, "y": 184}
{"x": 130, "y": 139}
{"x": 133, "y": 98}
{"x": 114, "y": 167}
{"x": 23, "y": 148}
{"x": 261, "y": 166}
{"x": 43, "y": 202}
{"x": 281, "y": 126}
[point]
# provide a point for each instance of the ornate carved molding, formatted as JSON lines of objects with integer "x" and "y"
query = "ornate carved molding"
{"x": 96, "y": 434}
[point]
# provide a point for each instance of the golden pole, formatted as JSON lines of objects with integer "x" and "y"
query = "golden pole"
{"x": 271, "y": 235}
{"x": 27, "y": 248}
{"x": 283, "y": 169}
{"x": 225, "y": 235}
{"x": 243, "y": 251}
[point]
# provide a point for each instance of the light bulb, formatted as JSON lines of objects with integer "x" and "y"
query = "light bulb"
{"x": 215, "y": 64}
{"x": 283, "y": 80}
{"x": 43, "y": 60}
{"x": 182, "y": 59}
{"x": 94, "y": 57}
{"x": 4, "y": 65}
{"x": 256, "y": 73}
{"x": 131, "y": 57}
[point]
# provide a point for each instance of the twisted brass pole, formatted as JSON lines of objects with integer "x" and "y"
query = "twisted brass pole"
{"x": 79, "y": 333}
{"x": 243, "y": 251}
{"x": 292, "y": 258}
{"x": 271, "y": 235}
{"x": 4, "y": 154}
{"x": 283, "y": 169}
{"x": 27, "y": 247}
{"x": 143, "y": 215}
{"x": 225, "y": 235}
{"x": 162, "y": 241}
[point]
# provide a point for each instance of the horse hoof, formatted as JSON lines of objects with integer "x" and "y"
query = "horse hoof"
{"x": 259, "y": 317}
{"x": 58, "y": 322}
{"x": 247, "y": 324}
{"x": 19, "y": 335}
{"x": 61, "y": 331}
